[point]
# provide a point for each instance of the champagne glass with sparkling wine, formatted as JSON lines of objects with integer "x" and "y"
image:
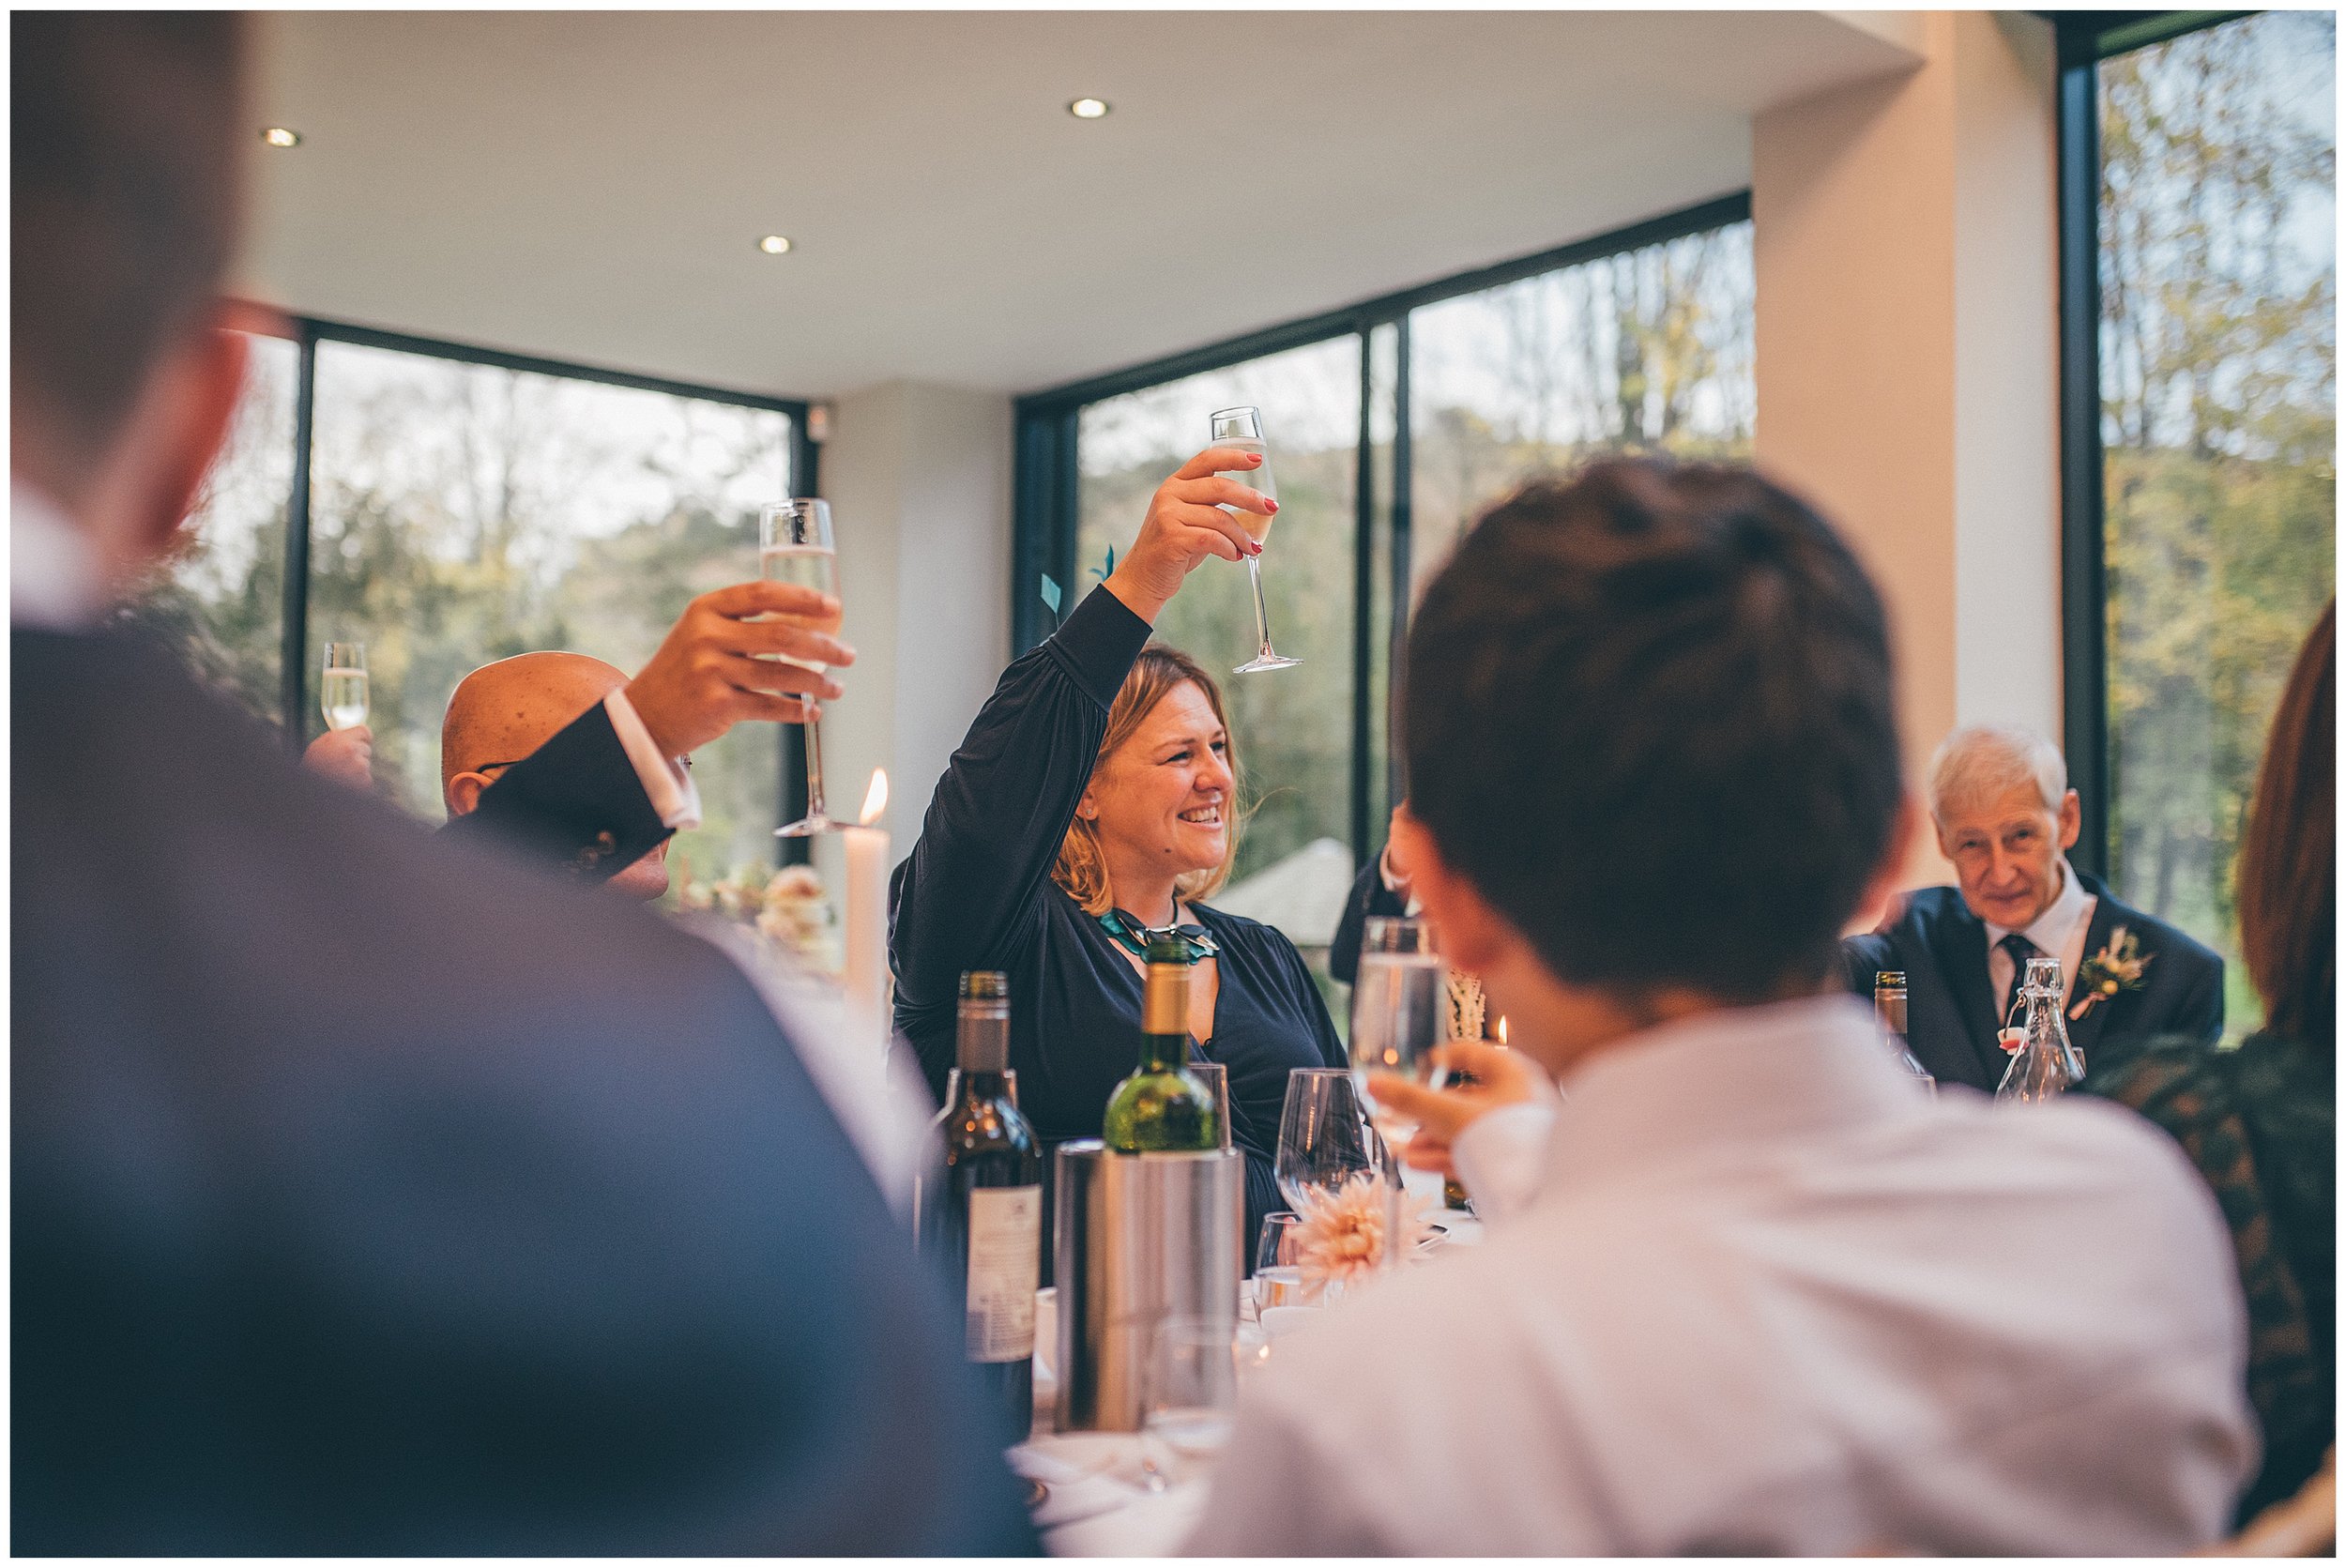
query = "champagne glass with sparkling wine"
{"x": 1241, "y": 430}
{"x": 794, "y": 546}
{"x": 342, "y": 687}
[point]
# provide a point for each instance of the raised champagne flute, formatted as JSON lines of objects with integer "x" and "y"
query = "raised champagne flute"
{"x": 794, "y": 546}
{"x": 1241, "y": 430}
{"x": 342, "y": 686}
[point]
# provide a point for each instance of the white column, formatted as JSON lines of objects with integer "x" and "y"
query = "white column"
{"x": 918, "y": 476}
{"x": 1905, "y": 247}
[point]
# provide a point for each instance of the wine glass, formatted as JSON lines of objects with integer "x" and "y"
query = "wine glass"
{"x": 1398, "y": 1002}
{"x": 1325, "y": 1135}
{"x": 1241, "y": 430}
{"x": 1190, "y": 1394}
{"x": 1279, "y": 1266}
{"x": 794, "y": 546}
{"x": 342, "y": 688}
{"x": 1216, "y": 1077}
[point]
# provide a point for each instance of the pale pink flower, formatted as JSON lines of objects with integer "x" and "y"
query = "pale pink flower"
{"x": 1342, "y": 1237}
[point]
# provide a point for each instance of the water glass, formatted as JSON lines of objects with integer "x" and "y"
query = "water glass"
{"x": 1279, "y": 1266}
{"x": 1216, "y": 1077}
{"x": 1190, "y": 1395}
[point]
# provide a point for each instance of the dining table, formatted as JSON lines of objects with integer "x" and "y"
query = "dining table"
{"x": 1122, "y": 1494}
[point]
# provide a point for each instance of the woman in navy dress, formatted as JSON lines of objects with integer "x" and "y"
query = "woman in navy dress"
{"x": 1094, "y": 795}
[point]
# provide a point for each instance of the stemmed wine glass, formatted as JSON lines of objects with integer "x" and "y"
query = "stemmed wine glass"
{"x": 1241, "y": 430}
{"x": 1325, "y": 1135}
{"x": 794, "y": 546}
{"x": 342, "y": 687}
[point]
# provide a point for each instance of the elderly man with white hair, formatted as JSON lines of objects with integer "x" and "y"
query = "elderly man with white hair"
{"x": 2001, "y": 801}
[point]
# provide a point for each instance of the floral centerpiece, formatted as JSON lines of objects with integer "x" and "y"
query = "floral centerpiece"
{"x": 1341, "y": 1239}
{"x": 786, "y": 910}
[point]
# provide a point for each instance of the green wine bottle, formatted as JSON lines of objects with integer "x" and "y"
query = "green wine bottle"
{"x": 1162, "y": 1105}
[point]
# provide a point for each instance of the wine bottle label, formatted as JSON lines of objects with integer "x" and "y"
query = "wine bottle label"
{"x": 1005, "y": 1265}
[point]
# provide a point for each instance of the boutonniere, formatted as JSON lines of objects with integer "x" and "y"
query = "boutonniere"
{"x": 2117, "y": 968}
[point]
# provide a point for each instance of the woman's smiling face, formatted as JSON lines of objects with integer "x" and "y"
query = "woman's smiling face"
{"x": 1163, "y": 800}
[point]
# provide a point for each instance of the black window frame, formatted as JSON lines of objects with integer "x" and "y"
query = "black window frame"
{"x": 2084, "y": 39}
{"x": 1044, "y": 483}
{"x": 307, "y": 332}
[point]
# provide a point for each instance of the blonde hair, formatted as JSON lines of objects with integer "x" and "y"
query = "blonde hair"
{"x": 1082, "y": 867}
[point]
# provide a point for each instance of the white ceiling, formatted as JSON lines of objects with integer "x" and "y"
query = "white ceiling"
{"x": 590, "y": 185}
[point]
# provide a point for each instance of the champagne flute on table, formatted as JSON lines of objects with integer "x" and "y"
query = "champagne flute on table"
{"x": 794, "y": 545}
{"x": 1241, "y": 430}
{"x": 342, "y": 686}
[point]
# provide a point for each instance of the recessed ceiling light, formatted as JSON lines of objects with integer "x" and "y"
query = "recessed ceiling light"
{"x": 1088, "y": 108}
{"x": 278, "y": 136}
{"x": 773, "y": 245}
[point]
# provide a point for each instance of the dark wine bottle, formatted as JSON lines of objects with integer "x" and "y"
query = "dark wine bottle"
{"x": 981, "y": 1214}
{"x": 1162, "y": 1105}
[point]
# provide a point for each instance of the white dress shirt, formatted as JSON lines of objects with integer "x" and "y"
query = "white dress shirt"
{"x": 1770, "y": 1298}
{"x": 54, "y": 585}
{"x": 2058, "y": 932}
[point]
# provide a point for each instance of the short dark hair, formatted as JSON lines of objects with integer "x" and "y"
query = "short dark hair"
{"x": 1648, "y": 714}
{"x": 123, "y": 204}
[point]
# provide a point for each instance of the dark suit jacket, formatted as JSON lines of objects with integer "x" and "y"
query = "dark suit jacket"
{"x": 376, "y": 1194}
{"x": 1370, "y": 897}
{"x": 576, "y": 801}
{"x": 1951, "y": 1008}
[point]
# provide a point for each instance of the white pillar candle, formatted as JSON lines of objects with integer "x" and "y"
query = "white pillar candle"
{"x": 865, "y": 977}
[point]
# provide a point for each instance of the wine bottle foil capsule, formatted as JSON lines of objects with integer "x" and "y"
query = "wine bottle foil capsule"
{"x": 1137, "y": 1239}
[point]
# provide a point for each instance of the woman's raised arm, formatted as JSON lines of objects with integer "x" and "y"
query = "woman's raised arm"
{"x": 968, "y": 893}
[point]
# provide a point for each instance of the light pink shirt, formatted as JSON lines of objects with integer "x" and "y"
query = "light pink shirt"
{"x": 1768, "y": 1298}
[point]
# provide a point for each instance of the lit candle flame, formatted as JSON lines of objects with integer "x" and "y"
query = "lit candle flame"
{"x": 1503, "y": 1032}
{"x": 875, "y": 798}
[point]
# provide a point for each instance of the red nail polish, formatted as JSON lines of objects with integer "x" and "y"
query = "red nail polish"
{"x": 1270, "y": 507}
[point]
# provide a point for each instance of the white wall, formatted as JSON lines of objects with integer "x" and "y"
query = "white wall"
{"x": 918, "y": 476}
{"x": 1907, "y": 359}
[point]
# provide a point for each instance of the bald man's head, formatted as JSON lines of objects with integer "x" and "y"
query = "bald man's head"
{"x": 502, "y": 712}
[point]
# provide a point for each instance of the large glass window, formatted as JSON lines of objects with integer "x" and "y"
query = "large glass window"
{"x": 1294, "y": 726}
{"x": 2218, "y": 379}
{"x": 1469, "y": 392}
{"x": 462, "y": 511}
{"x": 222, "y": 595}
{"x": 1645, "y": 350}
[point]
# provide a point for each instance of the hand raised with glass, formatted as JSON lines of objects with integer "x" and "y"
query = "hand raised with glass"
{"x": 1502, "y": 1078}
{"x": 709, "y": 677}
{"x": 1185, "y": 524}
{"x": 345, "y": 756}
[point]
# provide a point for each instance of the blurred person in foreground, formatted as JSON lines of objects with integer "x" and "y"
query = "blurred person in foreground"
{"x": 370, "y": 1193}
{"x": 2006, "y": 818}
{"x": 1763, "y": 1294}
{"x": 2261, "y": 1121}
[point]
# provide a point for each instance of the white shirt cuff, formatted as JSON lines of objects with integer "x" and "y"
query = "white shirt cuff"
{"x": 666, "y": 783}
{"x": 1384, "y": 874}
{"x": 1499, "y": 1155}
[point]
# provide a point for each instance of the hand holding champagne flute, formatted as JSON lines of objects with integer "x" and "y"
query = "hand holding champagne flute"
{"x": 1187, "y": 523}
{"x": 723, "y": 662}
